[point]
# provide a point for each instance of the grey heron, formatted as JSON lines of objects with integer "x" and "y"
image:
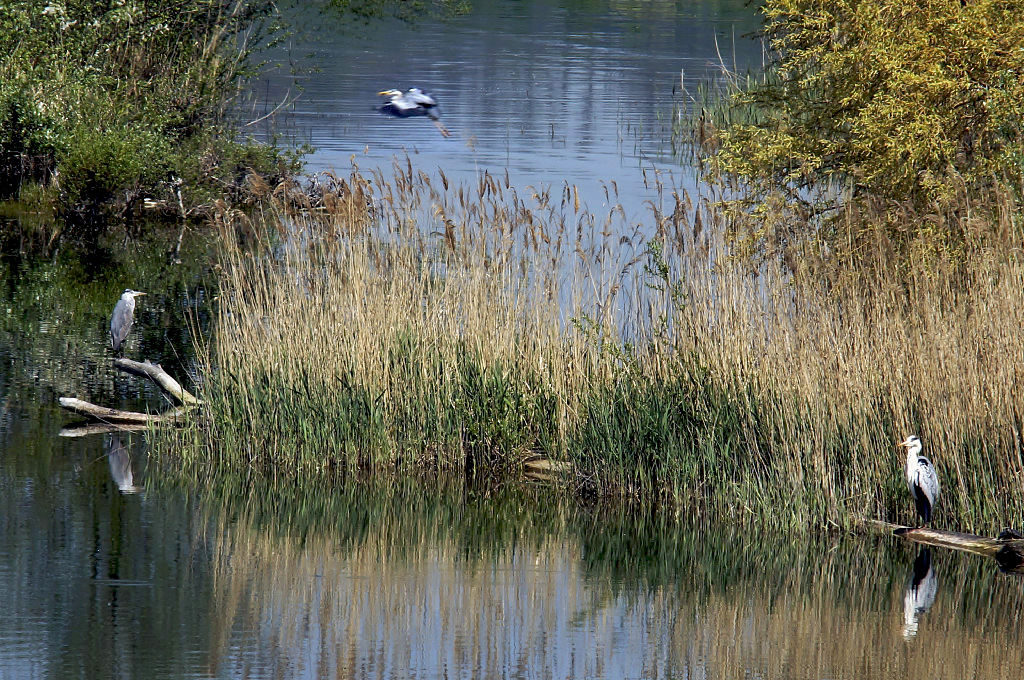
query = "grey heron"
{"x": 415, "y": 102}
{"x": 121, "y": 319}
{"x": 921, "y": 478}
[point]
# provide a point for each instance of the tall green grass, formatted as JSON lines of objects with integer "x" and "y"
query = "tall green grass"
{"x": 387, "y": 324}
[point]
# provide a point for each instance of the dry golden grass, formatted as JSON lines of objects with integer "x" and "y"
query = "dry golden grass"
{"x": 396, "y": 321}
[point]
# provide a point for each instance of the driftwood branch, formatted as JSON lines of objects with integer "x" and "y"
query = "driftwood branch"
{"x": 1007, "y": 549}
{"x": 110, "y": 419}
{"x": 154, "y": 372}
{"x": 116, "y": 416}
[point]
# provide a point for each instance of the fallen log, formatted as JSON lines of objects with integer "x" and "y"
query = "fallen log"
{"x": 540, "y": 468}
{"x": 116, "y": 418}
{"x": 1007, "y": 549}
{"x": 160, "y": 378}
{"x": 113, "y": 415}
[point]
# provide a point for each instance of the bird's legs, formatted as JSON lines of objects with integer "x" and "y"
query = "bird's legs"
{"x": 442, "y": 128}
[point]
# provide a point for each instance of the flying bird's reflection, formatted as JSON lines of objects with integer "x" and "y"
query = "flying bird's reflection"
{"x": 120, "y": 464}
{"x": 920, "y": 593}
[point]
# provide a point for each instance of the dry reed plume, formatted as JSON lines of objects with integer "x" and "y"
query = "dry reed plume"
{"x": 389, "y": 322}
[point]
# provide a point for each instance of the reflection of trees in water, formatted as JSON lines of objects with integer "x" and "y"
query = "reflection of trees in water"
{"x": 59, "y": 300}
{"x": 919, "y": 595}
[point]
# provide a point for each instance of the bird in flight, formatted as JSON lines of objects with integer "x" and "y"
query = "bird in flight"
{"x": 415, "y": 102}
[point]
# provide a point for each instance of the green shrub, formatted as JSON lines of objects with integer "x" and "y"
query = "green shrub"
{"x": 120, "y": 98}
{"x": 101, "y": 162}
{"x": 909, "y": 102}
{"x": 27, "y": 142}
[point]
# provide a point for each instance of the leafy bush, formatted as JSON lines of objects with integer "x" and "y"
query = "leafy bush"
{"x": 915, "y": 102}
{"x": 119, "y": 97}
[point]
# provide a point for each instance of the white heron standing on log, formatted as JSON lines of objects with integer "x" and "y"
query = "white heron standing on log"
{"x": 122, "y": 318}
{"x": 415, "y": 102}
{"x": 921, "y": 478}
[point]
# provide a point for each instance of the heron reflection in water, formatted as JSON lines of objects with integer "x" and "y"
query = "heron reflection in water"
{"x": 919, "y": 595}
{"x": 415, "y": 102}
{"x": 120, "y": 461}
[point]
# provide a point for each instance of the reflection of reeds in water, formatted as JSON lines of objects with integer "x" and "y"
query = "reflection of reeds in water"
{"x": 588, "y": 599}
{"x": 380, "y": 609}
{"x": 402, "y": 321}
{"x": 798, "y": 638}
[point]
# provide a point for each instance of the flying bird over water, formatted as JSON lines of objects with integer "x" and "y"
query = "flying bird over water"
{"x": 415, "y": 102}
{"x": 921, "y": 478}
{"x": 122, "y": 318}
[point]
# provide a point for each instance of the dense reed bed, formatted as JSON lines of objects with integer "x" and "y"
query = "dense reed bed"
{"x": 386, "y": 324}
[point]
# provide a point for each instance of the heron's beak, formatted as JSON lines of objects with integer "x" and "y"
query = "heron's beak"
{"x": 137, "y": 294}
{"x": 903, "y": 444}
{"x": 384, "y": 93}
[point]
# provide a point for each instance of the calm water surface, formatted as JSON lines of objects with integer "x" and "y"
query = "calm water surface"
{"x": 549, "y": 92}
{"x": 114, "y": 567}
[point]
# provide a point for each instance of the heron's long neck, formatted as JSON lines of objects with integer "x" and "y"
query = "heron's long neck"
{"x": 913, "y": 453}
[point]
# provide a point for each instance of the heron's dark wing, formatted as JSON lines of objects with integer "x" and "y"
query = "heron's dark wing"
{"x": 928, "y": 478}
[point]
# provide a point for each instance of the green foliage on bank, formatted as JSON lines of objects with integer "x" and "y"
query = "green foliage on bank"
{"x": 912, "y": 109}
{"x": 106, "y": 103}
{"x": 404, "y": 10}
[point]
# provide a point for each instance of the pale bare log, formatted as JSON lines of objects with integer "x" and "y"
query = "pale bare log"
{"x": 160, "y": 378}
{"x": 113, "y": 415}
{"x": 541, "y": 468}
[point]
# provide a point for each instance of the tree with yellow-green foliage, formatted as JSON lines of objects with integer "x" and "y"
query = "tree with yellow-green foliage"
{"x": 915, "y": 103}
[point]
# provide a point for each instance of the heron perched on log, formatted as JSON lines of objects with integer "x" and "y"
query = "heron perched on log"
{"x": 415, "y": 102}
{"x": 122, "y": 318}
{"x": 921, "y": 478}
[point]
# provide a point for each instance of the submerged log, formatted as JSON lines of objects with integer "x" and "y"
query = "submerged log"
{"x": 1007, "y": 549}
